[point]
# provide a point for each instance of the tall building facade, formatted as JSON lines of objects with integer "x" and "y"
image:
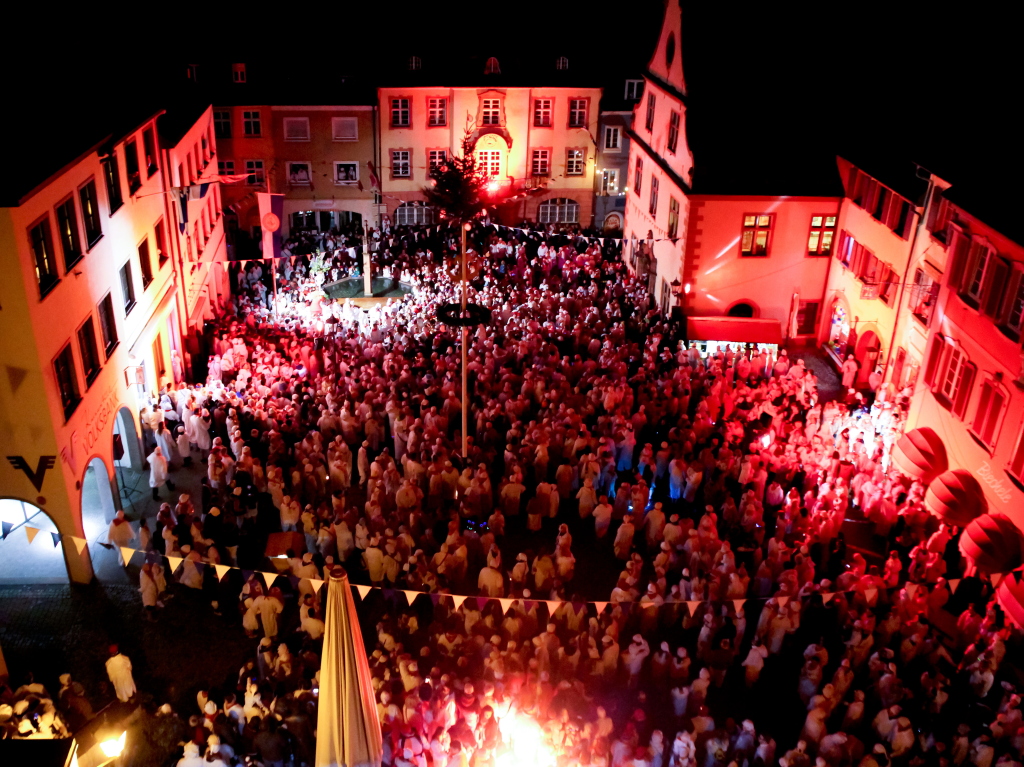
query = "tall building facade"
{"x": 616, "y": 119}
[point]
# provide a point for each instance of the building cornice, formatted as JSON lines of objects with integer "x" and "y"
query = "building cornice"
{"x": 658, "y": 160}
{"x": 665, "y": 86}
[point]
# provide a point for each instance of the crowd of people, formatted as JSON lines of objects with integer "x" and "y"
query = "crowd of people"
{"x": 668, "y": 523}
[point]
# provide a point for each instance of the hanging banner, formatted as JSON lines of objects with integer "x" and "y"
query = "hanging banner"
{"x": 271, "y": 213}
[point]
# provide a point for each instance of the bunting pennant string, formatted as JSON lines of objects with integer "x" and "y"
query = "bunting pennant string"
{"x": 126, "y": 555}
{"x": 56, "y": 539}
{"x": 410, "y": 596}
{"x": 458, "y": 600}
{"x": 506, "y": 604}
{"x": 7, "y": 527}
{"x": 826, "y": 598}
{"x": 954, "y": 583}
{"x": 316, "y": 583}
{"x": 80, "y": 543}
{"x": 31, "y": 532}
{"x": 222, "y": 570}
{"x": 363, "y": 590}
{"x": 173, "y": 562}
{"x": 737, "y": 604}
{"x": 693, "y": 605}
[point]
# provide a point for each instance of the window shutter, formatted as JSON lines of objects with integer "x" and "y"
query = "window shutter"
{"x": 296, "y": 129}
{"x": 995, "y": 288}
{"x": 933, "y": 359}
{"x": 981, "y": 414}
{"x": 963, "y": 389}
{"x": 958, "y": 253}
{"x": 1017, "y": 462}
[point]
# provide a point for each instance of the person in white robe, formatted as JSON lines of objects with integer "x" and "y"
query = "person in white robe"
{"x": 158, "y": 473}
{"x": 119, "y": 669}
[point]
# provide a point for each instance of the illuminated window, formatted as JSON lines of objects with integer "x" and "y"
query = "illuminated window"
{"x": 488, "y": 162}
{"x": 559, "y": 211}
{"x": 562, "y": 63}
{"x": 251, "y": 124}
{"x": 254, "y": 169}
{"x": 757, "y": 230}
{"x": 649, "y": 122}
{"x": 610, "y": 182}
{"x": 612, "y": 138}
{"x": 399, "y": 113}
{"x": 45, "y": 259}
{"x": 577, "y": 113}
{"x": 67, "y": 228}
{"x": 160, "y": 235}
{"x": 492, "y": 67}
{"x": 634, "y": 90}
{"x": 436, "y": 158}
{"x": 296, "y": 129}
{"x": 90, "y": 213}
{"x": 437, "y": 112}
{"x": 978, "y": 264}
{"x": 823, "y": 229}
{"x": 673, "y": 131}
{"x": 67, "y": 380}
{"x": 344, "y": 129}
{"x": 953, "y": 377}
{"x": 638, "y": 175}
{"x": 400, "y": 165}
{"x": 238, "y": 73}
{"x": 222, "y": 124}
{"x": 574, "y": 162}
{"x": 542, "y": 113}
{"x": 541, "y": 162}
{"x": 652, "y": 206}
{"x": 490, "y": 112}
{"x": 673, "y": 217}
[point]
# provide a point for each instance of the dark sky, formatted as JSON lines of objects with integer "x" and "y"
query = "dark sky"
{"x": 771, "y": 85}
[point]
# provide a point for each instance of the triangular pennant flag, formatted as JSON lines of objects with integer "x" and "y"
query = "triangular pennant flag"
{"x": 827, "y": 597}
{"x": 411, "y": 596}
{"x": 7, "y": 527}
{"x": 247, "y": 574}
{"x": 31, "y": 532}
{"x": 553, "y": 605}
{"x": 737, "y": 604}
{"x": 56, "y": 539}
{"x": 599, "y": 606}
{"x": 269, "y": 579}
{"x": 436, "y": 599}
{"x": 870, "y": 594}
{"x": 457, "y": 600}
{"x": 126, "y": 554}
{"x": 363, "y": 590}
{"x": 996, "y": 578}
{"x": 173, "y": 562}
{"x": 911, "y": 589}
{"x": 505, "y": 605}
{"x": 693, "y": 607}
{"x": 80, "y": 543}
{"x": 222, "y": 570}
{"x": 294, "y": 580}
{"x": 953, "y": 583}
{"x": 782, "y": 600}
{"x": 15, "y": 376}
{"x": 316, "y": 583}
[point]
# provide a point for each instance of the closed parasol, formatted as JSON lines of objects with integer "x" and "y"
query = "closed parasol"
{"x": 992, "y": 543}
{"x": 920, "y": 454}
{"x": 956, "y": 498}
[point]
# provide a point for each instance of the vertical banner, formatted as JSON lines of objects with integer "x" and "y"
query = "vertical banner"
{"x": 271, "y": 211}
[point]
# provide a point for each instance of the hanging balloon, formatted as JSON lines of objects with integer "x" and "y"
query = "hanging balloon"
{"x": 992, "y": 543}
{"x": 956, "y": 498}
{"x": 920, "y": 455}
{"x": 1010, "y": 596}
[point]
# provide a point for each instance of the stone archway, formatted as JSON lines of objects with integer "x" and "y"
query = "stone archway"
{"x": 41, "y": 560}
{"x": 99, "y": 502}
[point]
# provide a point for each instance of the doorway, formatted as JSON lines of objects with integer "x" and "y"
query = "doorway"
{"x": 867, "y": 350}
{"x": 29, "y": 554}
{"x": 98, "y": 504}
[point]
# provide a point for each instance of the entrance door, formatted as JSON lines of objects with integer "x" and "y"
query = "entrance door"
{"x": 868, "y": 347}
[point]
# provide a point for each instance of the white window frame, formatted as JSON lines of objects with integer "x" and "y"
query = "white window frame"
{"x": 437, "y": 112}
{"x": 575, "y": 162}
{"x": 295, "y": 128}
{"x": 612, "y": 138}
{"x": 558, "y": 210}
{"x": 415, "y": 63}
{"x": 674, "y": 122}
{"x": 562, "y": 62}
{"x": 540, "y": 162}
{"x": 610, "y": 181}
{"x": 634, "y": 90}
{"x": 309, "y": 170}
{"x": 410, "y": 214}
{"x": 543, "y": 112}
{"x": 338, "y": 132}
{"x": 436, "y": 158}
{"x": 488, "y": 162}
{"x": 401, "y": 163}
{"x": 251, "y": 118}
{"x": 952, "y": 373}
{"x": 401, "y": 112}
{"x": 350, "y": 181}
{"x": 979, "y": 270}
{"x": 490, "y": 112}
{"x": 578, "y": 112}
{"x": 256, "y": 171}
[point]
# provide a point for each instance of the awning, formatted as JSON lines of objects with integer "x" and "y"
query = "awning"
{"x": 743, "y": 330}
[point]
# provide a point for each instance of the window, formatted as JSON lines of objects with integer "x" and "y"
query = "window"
{"x": 610, "y": 181}
{"x": 673, "y": 217}
{"x": 127, "y": 288}
{"x": 612, "y": 138}
{"x": 346, "y": 173}
{"x": 807, "y": 318}
{"x": 951, "y": 377}
{"x": 108, "y": 325}
{"x": 652, "y": 207}
{"x": 492, "y": 67}
{"x": 757, "y": 231}
{"x": 577, "y": 113}
{"x": 300, "y": 173}
{"x": 1013, "y": 317}
{"x": 995, "y": 290}
{"x": 413, "y": 214}
{"x": 415, "y": 64}
{"x": 559, "y": 211}
{"x": 251, "y": 124}
{"x": 924, "y": 294}
{"x": 400, "y": 167}
{"x": 574, "y": 162}
{"x": 978, "y": 261}
{"x": 488, "y": 162}
{"x": 882, "y": 203}
{"x": 437, "y": 112}
{"x": 989, "y": 413}
{"x": 222, "y": 124}
{"x": 238, "y": 73}
{"x": 67, "y": 228}
{"x": 113, "y": 180}
{"x": 561, "y": 63}
{"x": 226, "y": 167}
{"x": 940, "y": 213}
{"x": 42, "y": 249}
{"x": 490, "y": 112}
{"x": 541, "y": 162}
{"x": 67, "y": 380}
{"x": 436, "y": 158}
{"x": 344, "y": 129}
{"x": 149, "y": 149}
{"x": 399, "y": 113}
{"x": 296, "y": 129}
{"x": 649, "y": 122}
{"x": 145, "y": 264}
{"x": 823, "y": 229}
{"x": 673, "y": 131}
{"x": 634, "y": 90}
{"x": 87, "y": 348}
{"x": 188, "y": 160}
{"x": 90, "y": 213}
{"x": 638, "y": 175}
{"x": 160, "y": 235}
{"x": 131, "y": 166}
{"x": 1016, "y": 463}
{"x": 542, "y": 113}
{"x": 255, "y": 170}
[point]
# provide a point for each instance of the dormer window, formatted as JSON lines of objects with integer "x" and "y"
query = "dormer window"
{"x": 415, "y": 63}
{"x": 562, "y": 63}
{"x": 238, "y": 73}
{"x": 193, "y": 72}
{"x": 492, "y": 67}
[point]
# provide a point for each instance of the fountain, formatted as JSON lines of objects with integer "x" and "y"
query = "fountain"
{"x": 366, "y": 291}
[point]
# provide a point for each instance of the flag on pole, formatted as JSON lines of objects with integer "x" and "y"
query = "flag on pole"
{"x": 271, "y": 211}
{"x": 374, "y": 178}
{"x": 183, "y": 206}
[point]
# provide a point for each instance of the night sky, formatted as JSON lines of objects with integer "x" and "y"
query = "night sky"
{"x": 773, "y": 89}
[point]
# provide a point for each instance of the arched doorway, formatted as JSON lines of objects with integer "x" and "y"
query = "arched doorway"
{"x": 98, "y": 502}
{"x": 491, "y": 153}
{"x": 742, "y": 309}
{"x": 25, "y": 561}
{"x": 839, "y": 329}
{"x": 867, "y": 351}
